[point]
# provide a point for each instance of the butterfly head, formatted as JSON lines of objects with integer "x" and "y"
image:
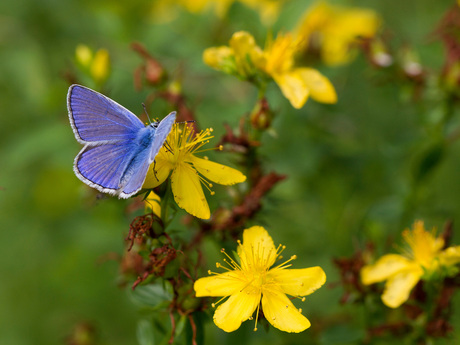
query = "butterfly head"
{"x": 154, "y": 124}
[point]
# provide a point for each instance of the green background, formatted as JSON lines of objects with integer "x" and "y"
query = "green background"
{"x": 349, "y": 166}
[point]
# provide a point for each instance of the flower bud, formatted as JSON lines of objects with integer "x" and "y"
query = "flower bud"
{"x": 261, "y": 116}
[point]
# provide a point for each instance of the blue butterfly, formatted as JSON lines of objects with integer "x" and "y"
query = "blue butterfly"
{"x": 118, "y": 147}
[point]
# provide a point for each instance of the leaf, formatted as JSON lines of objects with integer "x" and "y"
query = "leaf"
{"x": 428, "y": 161}
{"x": 153, "y": 296}
{"x": 145, "y": 333}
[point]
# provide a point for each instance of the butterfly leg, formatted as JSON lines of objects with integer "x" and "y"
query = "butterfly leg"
{"x": 168, "y": 147}
{"x": 154, "y": 171}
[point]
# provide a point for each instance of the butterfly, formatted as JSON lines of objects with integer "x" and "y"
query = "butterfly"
{"x": 118, "y": 147}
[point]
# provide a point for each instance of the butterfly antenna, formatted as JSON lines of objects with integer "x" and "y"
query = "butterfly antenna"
{"x": 146, "y": 113}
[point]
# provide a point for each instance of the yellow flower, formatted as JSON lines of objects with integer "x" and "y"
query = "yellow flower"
{"x": 250, "y": 281}
{"x": 244, "y": 58}
{"x": 152, "y": 202}
{"x": 336, "y": 29}
{"x": 84, "y": 55}
{"x": 239, "y": 58}
{"x": 100, "y": 67}
{"x": 423, "y": 258}
{"x": 188, "y": 172}
{"x": 166, "y": 10}
{"x": 296, "y": 83}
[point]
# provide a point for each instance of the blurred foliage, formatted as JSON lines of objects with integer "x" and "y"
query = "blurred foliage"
{"x": 358, "y": 171}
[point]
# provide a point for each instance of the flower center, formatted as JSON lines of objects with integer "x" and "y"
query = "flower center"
{"x": 183, "y": 142}
{"x": 424, "y": 246}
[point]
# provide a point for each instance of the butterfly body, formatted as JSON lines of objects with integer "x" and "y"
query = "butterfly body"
{"x": 118, "y": 147}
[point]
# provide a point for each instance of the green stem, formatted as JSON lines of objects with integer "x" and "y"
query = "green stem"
{"x": 166, "y": 206}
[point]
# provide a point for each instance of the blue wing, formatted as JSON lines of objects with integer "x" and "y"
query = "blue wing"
{"x": 97, "y": 119}
{"x": 161, "y": 134}
{"x": 135, "y": 174}
{"x": 102, "y": 167}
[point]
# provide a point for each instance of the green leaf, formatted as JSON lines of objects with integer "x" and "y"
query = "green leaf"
{"x": 429, "y": 160}
{"x": 145, "y": 333}
{"x": 153, "y": 296}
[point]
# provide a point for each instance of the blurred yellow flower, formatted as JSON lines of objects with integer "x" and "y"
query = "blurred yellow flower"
{"x": 334, "y": 30}
{"x": 189, "y": 172}
{"x": 100, "y": 67}
{"x": 244, "y": 58}
{"x": 251, "y": 279}
{"x": 84, "y": 55}
{"x": 96, "y": 65}
{"x": 152, "y": 203}
{"x": 423, "y": 259}
{"x": 296, "y": 83}
{"x": 240, "y": 58}
{"x": 165, "y": 10}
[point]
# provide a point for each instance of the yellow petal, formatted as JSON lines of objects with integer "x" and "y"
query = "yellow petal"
{"x": 216, "y": 172}
{"x": 293, "y": 88}
{"x": 258, "y": 250}
{"x": 188, "y": 194}
{"x": 224, "y": 284}
{"x": 321, "y": 89}
{"x": 279, "y": 54}
{"x": 101, "y": 65}
{"x": 298, "y": 282}
{"x": 450, "y": 256}
{"x": 384, "y": 268}
{"x": 153, "y": 203}
{"x": 162, "y": 169}
{"x": 244, "y": 46}
{"x": 216, "y": 57}
{"x": 281, "y": 313}
{"x": 238, "y": 308}
{"x": 398, "y": 288}
{"x": 84, "y": 55}
{"x": 314, "y": 20}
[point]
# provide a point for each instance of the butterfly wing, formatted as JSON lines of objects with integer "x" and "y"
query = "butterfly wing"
{"x": 97, "y": 119}
{"x": 103, "y": 166}
{"x": 161, "y": 134}
{"x": 136, "y": 174}
{"x": 138, "y": 168}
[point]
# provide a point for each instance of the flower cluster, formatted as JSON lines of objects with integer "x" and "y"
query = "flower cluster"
{"x": 245, "y": 59}
{"x": 165, "y": 9}
{"x": 96, "y": 65}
